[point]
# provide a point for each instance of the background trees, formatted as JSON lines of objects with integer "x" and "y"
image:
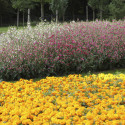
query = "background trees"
{"x": 72, "y": 9}
{"x": 117, "y": 9}
{"x": 5, "y": 10}
{"x": 63, "y": 7}
{"x": 101, "y": 6}
{"x": 59, "y": 7}
{"x": 21, "y": 5}
{"x": 42, "y": 3}
{"x": 16, "y": 5}
{"x": 93, "y": 5}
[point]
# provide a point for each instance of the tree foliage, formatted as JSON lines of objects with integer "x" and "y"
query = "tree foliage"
{"x": 22, "y": 4}
{"x": 63, "y": 7}
{"x": 60, "y": 5}
{"x": 93, "y": 4}
{"x": 42, "y": 2}
{"x": 117, "y": 9}
{"x": 5, "y": 7}
{"x": 73, "y": 9}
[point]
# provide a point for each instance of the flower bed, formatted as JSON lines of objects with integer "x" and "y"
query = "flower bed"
{"x": 55, "y": 49}
{"x": 73, "y": 100}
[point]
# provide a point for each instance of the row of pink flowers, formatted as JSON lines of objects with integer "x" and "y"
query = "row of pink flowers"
{"x": 71, "y": 47}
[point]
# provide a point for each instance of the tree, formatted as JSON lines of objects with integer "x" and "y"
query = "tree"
{"x": 100, "y": 5}
{"x": 59, "y": 7}
{"x": 103, "y": 6}
{"x": 24, "y": 5}
{"x": 74, "y": 6}
{"x": 63, "y": 6}
{"x": 42, "y": 2}
{"x": 29, "y": 4}
{"x": 5, "y": 7}
{"x": 5, "y": 10}
{"x": 54, "y": 6}
{"x": 117, "y": 9}
{"x": 16, "y": 4}
{"x": 21, "y": 5}
{"x": 93, "y": 5}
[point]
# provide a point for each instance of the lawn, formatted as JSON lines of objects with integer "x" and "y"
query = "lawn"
{"x": 3, "y": 29}
{"x": 114, "y": 72}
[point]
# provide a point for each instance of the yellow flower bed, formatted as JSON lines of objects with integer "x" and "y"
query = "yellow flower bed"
{"x": 73, "y": 100}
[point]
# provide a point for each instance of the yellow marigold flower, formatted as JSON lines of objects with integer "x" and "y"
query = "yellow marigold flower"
{"x": 68, "y": 122}
{"x": 79, "y": 112}
{"x": 16, "y": 122}
{"x": 72, "y": 113}
{"x": 37, "y": 123}
{"x": 62, "y": 122}
{"x": 75, "y": 118}
{"x": 88, "y": 122}
{"x": 64, "y": 94}
{"x": 64, "y": 105}
{"x": 76, "y": 106}
{"x": 54, "y": 93}
{"x": 122, "y": 117}
{"x": 24, "y": 117}
{"x": 103, "y": 117}
{"x": 5, "y": 118}
{"x": 89, "y": 116}
{"x": 26, "y": 121}
{"x": 122, "y": 122}
{"x": 45, "y": 123}
{"x": 66, "y": 116}
{"x": 115, "y": 122}
{"x": 104, "y": 112}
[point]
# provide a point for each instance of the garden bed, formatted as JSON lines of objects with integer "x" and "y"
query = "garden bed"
{"x": 54, "y": 49}
{"x": 72, "y": 100}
